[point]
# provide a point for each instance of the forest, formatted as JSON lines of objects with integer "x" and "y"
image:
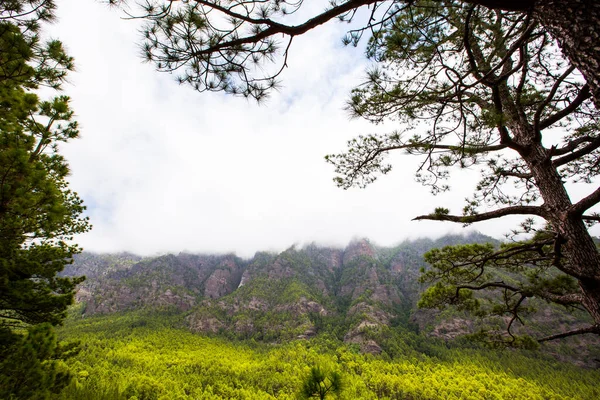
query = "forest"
{"x": 143, "y": 355}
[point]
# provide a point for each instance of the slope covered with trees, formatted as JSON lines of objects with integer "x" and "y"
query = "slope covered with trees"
{"x": 147, "y": 356}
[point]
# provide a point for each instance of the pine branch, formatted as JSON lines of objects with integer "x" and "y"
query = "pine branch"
{"x": 500, "y": 285}
{"x": 468, "y": 219}
{"x": 276, "y": 28}
{"x": 590, "y": 329}
{"x": 582, "y": 96}
{"x": 549, "y": 97}
{"x": 582, "y": 205}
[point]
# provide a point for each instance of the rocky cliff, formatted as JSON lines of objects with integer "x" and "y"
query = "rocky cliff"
{"x": 356, "y": 294}
{"x": 293, "y": 294}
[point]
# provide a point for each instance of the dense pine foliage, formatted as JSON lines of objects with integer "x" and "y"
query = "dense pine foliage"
{"x": 145, "y": 355}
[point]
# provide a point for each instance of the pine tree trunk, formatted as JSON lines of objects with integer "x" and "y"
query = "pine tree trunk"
{"x": 579, "y": 248}
{"x": 591, "y": 300}
{"x": 576, "y": 26}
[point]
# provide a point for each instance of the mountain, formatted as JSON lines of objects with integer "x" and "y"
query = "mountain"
{"x": 362, "y": 294}
{"x": 121, "y": 282}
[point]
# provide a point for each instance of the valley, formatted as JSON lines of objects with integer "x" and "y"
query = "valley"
{"x": 220, "y": 327}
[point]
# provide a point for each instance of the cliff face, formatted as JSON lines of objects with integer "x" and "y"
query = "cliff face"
{"x": 356, "y": 293}
{"x": 170, "y": 280}
{"x": 294, "y": 294}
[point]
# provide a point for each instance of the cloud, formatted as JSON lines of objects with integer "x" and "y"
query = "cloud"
{"x": 164, "y": 169}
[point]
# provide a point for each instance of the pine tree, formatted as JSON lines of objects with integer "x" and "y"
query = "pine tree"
{"x": 488, "y": 89}
{"x": 33, "y": 367}
{"x": 320, "y": 384}
{"x": 38, "y": 213}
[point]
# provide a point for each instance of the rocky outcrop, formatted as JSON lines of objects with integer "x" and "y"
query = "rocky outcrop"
{"x": 358, "y": 248}
{"x": 224, "y": 279}
{"x": 180, "y": 281}
{"x": 217, "y": 284}
{"x": 370, "y": 320}
{"x": 92, "y": 265}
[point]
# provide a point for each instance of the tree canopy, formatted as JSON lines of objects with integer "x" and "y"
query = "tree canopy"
{"x": 489, "y": 89}
{"x": 38, "y": 213}
{"x": 241, "y": 46}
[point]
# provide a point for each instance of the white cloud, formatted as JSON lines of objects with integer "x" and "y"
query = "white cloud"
{"x": 164, "y": 168}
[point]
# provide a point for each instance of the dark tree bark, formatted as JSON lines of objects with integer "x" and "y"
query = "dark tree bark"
{"x": 575, "y": 24}
{"x": 578, "y": 246}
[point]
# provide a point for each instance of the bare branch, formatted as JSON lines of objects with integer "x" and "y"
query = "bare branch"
{"x": 501, "y": 285}
{"x": 550, "y": 96}
{"x": 572, "y": 145}
{"x": 520, "y": 175}
{"x": 593, "y": 145}
{"x": 591, "y": 217}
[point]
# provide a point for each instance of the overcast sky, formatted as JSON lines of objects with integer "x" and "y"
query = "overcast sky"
{"x": 163, "y": 168}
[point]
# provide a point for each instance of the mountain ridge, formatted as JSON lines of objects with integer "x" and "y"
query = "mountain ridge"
{"x": 361, "y": 294}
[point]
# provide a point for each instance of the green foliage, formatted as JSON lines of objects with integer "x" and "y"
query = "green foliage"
{"x": 320, "y": 384}
{"x": 498, "y": 282}
{"x": 32, "y": 366}
{"x": 38, "y": 213}
{"x": 121, "y": 358}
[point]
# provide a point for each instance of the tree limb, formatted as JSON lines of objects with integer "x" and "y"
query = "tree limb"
{"x": 549, "y": 97}
{"x": 488, "y": 285}
{"x": 276, "y": 28}
{"x": 572, "y": 145}
{"x": 582, "y": 96}
{"x": 520, "y": 175}
{"x": 582, "y": 205}
{"x": 591, "y": 217}
{"x": 564, "y": 299}
{"x": 468, "y": 219}
{"x": 593, "y": 145}
{"x": 590, "y": 329}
